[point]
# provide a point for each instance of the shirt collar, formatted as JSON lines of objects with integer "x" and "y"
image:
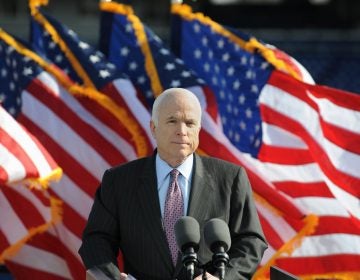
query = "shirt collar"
{"x": 163, "y": 169}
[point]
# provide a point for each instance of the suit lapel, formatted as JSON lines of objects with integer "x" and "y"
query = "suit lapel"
{"x": 201, "y": 191}
{"x": 149, "y": 199}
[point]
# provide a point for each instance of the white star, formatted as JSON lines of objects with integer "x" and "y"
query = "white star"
{"x": 141, "y": 80}
{"x": 214, "y": 80}
{"x": 133, "y": 66}
{"x": 27, "y": 71}
{"x": 242, "y": 125}
{"x": 257, "y": 143}
{"x": 197, "y": 54}
{"x": 170, "y": 66}
{"x": 124, "y": 51}
{"x": 3, "y": 72}
{"x": 243, "y": 60}
{"x": 223, "y": 120}
{"x": 11, "y": 86}
{"x": 128, "y": 28}
{"x": 254, "y": 88}
{"x": 52, "y": 45}
{"x": 94, "y": 58}
{"x": 164, "y": 51}
{"x": 175, "y": 83}
{"x": 229, "y": 108}
{"x": 220, "y": 44}
{"x": 185, "y": 74}
{"x": 230, "y": 71}
{"x": 58, "y": 58}
{"x": 225, "y": 57}
{"x": 264, "y": 65}
{"x": 104, "y": 74}
{"x": 196, "y": 28}
{"x": 242, "y": 99}
{"x": 248, "y": 113}
{"x": 236, "y": 84}
{"x": 207, "y": 67}
{"x": 237, "y": 137}
{"x": 210, "y": 54}
{"x": 222, "y": 94}
{"x": 204, "y": 41}
{"x": 83, "y": 45}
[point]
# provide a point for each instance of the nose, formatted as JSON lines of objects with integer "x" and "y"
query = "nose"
{"x": 182, "y": 129}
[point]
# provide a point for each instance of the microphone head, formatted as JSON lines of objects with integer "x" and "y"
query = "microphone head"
{"x": 187, "y": 233}
{"x": 216, "y": 234}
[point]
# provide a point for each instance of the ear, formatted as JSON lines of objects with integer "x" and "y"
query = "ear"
{"x": 152, "y": 128}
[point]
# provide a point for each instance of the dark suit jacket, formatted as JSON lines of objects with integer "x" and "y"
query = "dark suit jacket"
{"x": 126, "y": 215}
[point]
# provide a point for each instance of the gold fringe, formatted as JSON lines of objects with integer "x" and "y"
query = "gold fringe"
{"x": 251, "y": 46}
{"x": 59, "y": 41}
{"x": 334, "y": 276}
{"x": 311, "y": 222}
{"x": 75, "y": 89}
{"x": 141, "y": 38}
{"x": 56, "y": 217}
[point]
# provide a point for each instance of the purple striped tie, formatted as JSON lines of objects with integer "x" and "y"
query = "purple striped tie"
{"x": 174, "y": 209}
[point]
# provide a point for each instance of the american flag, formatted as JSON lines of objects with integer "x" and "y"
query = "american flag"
{"x": 26, "y": 170}
{"x": 304, "y": 138}
{"x": 76, "y": 130}
{"x": 162, "y": 69}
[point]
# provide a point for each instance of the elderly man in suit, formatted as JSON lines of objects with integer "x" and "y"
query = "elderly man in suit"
{"x": 134, "y": 202}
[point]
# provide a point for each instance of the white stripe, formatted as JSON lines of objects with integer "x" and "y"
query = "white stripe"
{"x": 29, "y": 195}
{"x": 142, "y": 115}
{"x": 307, "y": 117}
{"x": 322, "y": 206}
{"x": 276, "y": 136}
{"x": 328, "y": 244}
{"x": 277, "y": 222}
{"x": 14, "y": 169}
{"x": 42, "y": 260}
{"x": 64, "y": 135}
{"x": 118, "y": 142}
{"x": 67, "y": 238}
{"x": 306, "y": 173}
{"x": 339, "y": 116}
{"x": 15, "y": 131}
{"x": 350, "y": 202}
{"x": 11, "y": 226}
{"x": 72, "y": 194}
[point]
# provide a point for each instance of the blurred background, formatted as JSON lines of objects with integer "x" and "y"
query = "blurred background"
{"x": 323, "y": 35}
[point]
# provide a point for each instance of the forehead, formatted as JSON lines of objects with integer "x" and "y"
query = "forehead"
{"x": 179, "y": 106}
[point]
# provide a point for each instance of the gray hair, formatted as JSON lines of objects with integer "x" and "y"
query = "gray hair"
{"x": 165, "y": 94}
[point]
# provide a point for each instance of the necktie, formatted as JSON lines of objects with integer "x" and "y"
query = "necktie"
{"x": 174, "y": 209}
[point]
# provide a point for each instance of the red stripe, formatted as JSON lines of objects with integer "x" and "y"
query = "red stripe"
{"x": 114, "y": 94}
{"x": 83, "y": 129}
{"x": 24, "y": 209}
{"x": 332, "y": 224}
{"x": 211, "y": 103}
{"x": 13, "y": 147}
{"x": 71, "y": 167}
{"x": 283, "y": 155}
{"x": 320, "y": 264}
{"x": 345, "y": 181}
{"x": 3, "y": 176}
{"x": 27, "y": 273}
{"x": 213, "y": 148}
{"x": 48, "y": 242}
{"x": 343, "y": 138}
{"x": 299, "y": 189}
{"x": 271, "y": 234}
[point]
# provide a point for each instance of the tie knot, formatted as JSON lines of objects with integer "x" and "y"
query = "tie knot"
{"x": 174, "y": 174}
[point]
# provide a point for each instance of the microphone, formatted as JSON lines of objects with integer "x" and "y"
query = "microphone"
{"x": 217, "y": 238}
{"x": 187, "y": 233}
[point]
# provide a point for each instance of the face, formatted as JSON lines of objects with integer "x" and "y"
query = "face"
{"x": 177, "y": 131}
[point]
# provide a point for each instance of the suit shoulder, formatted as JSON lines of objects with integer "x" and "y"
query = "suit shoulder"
{"x": 212, "y": 162}
{"x": 136, "y": 164}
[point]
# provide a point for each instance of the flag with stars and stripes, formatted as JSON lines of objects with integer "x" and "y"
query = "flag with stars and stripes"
{"x": 73, "y": 123}
{"x": 26, "y": 169}
{"x": 87, "y": 66}
{"x": 160, "y": 69}
{"x": 304, "y": 138}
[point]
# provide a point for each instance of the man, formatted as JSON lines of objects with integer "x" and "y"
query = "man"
{"x": 130, "y": 210}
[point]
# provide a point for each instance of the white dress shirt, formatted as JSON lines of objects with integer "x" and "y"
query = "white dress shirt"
{"x": 184, "y": 180}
